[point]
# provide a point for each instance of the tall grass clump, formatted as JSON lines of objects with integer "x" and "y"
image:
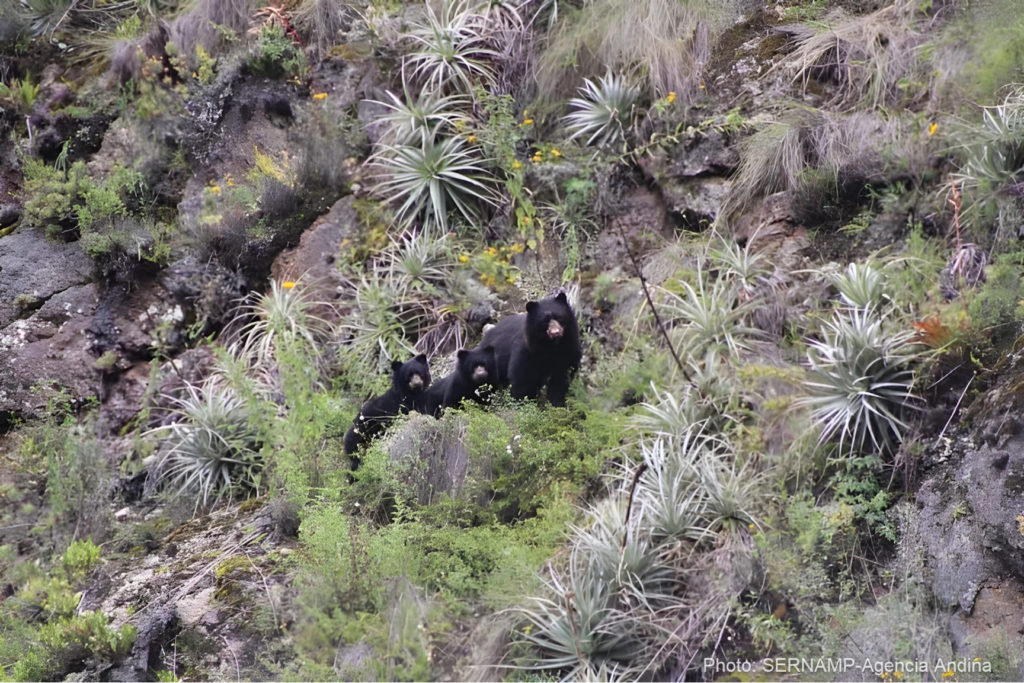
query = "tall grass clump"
{"x": 812, "y": 153}
{"x": 322, "y": 23}
{"x": 663, "y": 44}
{"x": 872, "y": 60}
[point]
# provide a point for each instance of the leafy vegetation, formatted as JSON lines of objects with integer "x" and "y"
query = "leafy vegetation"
{"x": 732, "y": 474}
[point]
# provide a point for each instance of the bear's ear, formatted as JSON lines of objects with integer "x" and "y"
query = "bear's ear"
{"x": 396, "y": 364}
{"x": 461, "y": 353}
{"x": 531, "y": 306}
{"x": 422, "y": 358}
{"x": 562, "y": 297}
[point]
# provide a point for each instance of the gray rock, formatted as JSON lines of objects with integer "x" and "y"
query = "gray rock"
{"x": 33, "y": 265}
{"x": 9, "y": 215}
{"x": 314, "y": 259}
{"x": 49, "y": 351}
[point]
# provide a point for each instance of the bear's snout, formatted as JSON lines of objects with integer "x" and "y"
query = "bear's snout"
{"x": 555, "y": 330}
{"x": 415, "y": 382}
{"x": 479, "y": 374}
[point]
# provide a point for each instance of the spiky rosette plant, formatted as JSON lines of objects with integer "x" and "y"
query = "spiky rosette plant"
{"x": 430, "y": 178}
{"x": 450, "y": 51}
{"x": 577, "y": 626}
{"x": 862, "y": 381}
{"x": 416, "y": 119}
{"x": 211, "y": 446}
{"x": 860, "y": 285}
{"x": 604, "y": 111}
{"x": 288, "y": 316}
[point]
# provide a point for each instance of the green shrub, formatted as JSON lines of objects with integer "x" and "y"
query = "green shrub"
{"x": 275, "y": 56}
{"x": 79, "y": 559}
{"x": 550, "y": 452}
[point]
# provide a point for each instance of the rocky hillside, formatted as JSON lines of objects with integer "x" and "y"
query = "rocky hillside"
{"x": 790, "y": 237}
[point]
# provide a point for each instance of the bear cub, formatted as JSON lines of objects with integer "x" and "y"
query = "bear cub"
{"x": 409, "y": 381}
{"x": 537, "y": 348}
{"x": 474, "y": 370}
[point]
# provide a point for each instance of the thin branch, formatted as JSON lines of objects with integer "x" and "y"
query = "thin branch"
{"x": 650, "y": 302}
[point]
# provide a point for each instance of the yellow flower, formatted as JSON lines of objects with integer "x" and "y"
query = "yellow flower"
{"x": 516, "y": 165}
{"x": 537, "y": 158}
{"x": 527, "y": 122}
{"x": 491, "y": 251}
{"x": 463, "y": 258}
{"x": 471, "y": 138}
{"x": 948, "y": 674}
{"x": 320, "y": 96}
{"x": 932, "y": 128}
{"x": 215, "y": 189}
{"x": 555, "y": 152}
{"x": 898, "y": 675}
{"x": 518, "y": 248}
{"x": 671, "y": 98}
{"x": 287, "y": 284}
{"x": 510, "y": 279}
{"x": 977, "y": 659}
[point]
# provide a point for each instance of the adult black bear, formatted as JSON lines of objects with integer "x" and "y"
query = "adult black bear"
{"x": 408, "y": 382}
{"x": 541, "y": 346}
{"x": 473, "y": 370}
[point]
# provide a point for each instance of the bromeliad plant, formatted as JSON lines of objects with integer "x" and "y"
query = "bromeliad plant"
{"x": 417, "y": 119}
{"x": 451, "y": 51}
{"x": 428, "y": 178}
{"x": 604, "y": 112}
{"x": 211, "y": 447}
{"x": 862, "y": 381}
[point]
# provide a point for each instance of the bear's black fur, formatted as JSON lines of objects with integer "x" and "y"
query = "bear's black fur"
{"x": 409, "y": 381}
{"x": 541, "y": 346}
{"x": 474, "y": 369}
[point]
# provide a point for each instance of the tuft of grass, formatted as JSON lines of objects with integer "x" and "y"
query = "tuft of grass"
{"x": 322, "y": 23}
{"x": 604, "y": 111}
{"x": 663, "y": 44}
{"x": 872, "y": 60}
{"x": 807, "y": 150}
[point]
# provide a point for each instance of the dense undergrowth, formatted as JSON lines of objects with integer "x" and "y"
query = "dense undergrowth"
{"x": 725, "y": 479}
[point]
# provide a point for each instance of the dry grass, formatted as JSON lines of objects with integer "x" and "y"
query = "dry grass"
{"x": 663, "y": 43}
{"x": 321, "y": 23}
{"x": 213, "y": 24}
{"x": 808, "y": 149}
{"x": 872, "y": 60}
